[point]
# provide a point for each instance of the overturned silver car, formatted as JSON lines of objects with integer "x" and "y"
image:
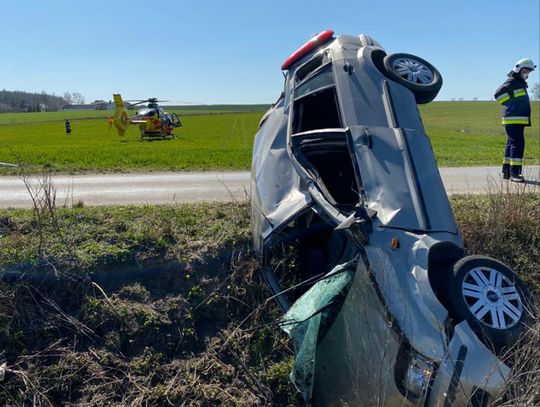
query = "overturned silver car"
{"x": 359, "y": 244}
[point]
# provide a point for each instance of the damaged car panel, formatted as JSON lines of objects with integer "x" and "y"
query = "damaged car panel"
{"x": 359, "y": 244}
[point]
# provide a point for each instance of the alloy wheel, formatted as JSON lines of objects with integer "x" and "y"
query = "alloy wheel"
{"x": 492, "y": 298}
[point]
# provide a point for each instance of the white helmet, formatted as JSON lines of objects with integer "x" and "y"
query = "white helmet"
{"x": 524, "y": 63}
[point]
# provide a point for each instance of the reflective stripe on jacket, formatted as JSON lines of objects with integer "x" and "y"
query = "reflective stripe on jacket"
{"x": 512, "y": 94}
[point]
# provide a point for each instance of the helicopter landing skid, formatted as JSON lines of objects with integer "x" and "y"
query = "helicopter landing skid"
{"x": 157, "y": 136}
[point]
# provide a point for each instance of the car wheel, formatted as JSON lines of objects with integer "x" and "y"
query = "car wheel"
{"x": 416, "y": 74}
{"x": 492, "y": 299}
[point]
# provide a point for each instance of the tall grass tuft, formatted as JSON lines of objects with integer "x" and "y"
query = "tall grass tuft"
{"x": 505, "y": 224}
{"x": 523, "y": 388}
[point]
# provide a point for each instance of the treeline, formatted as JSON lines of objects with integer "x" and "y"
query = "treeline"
{"x": 19, "y": 101}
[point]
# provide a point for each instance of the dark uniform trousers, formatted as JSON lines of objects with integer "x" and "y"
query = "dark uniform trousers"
{"x": 513, "y": 152}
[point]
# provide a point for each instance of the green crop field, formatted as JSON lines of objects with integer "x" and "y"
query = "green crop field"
{"x": 220, "y": 141}
{"x": 9, "y": 119}
{"x": 462, "y": 134}
{"x": 469, "y": 133}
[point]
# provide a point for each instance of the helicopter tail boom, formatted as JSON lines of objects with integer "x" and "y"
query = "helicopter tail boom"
{"x": 121, "y": 116}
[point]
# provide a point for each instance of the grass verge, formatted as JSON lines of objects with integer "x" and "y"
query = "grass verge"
{"x": 162, "y": 305}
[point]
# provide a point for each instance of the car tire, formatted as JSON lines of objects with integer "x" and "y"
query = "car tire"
{"x": 492, "y": 299}
{"x": 415, "y": 73}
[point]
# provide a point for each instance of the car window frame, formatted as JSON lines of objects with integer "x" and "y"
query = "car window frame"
{"x": 310, "y": 76}
{"x": 307, "y": 172}
{"x": 293, "y": 99}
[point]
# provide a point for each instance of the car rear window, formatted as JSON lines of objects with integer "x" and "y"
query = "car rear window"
{"x": 309, "y": 67}
{"x": 322, "y": 79}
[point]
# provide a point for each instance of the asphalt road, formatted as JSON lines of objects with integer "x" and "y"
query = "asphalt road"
{"x": 169, "y": 187}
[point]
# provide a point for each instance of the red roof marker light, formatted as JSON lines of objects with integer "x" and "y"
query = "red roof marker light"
{"x": 314, "y": 42}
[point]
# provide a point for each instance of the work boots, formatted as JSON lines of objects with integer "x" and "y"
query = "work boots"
{"x": 515, "y": 173}
{"x": 506, "y": 171}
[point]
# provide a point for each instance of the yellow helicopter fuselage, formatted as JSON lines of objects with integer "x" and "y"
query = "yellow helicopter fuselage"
{"x": 152, "y": 120}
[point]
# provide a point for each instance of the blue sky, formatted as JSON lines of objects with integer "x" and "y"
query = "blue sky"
{"x": 231, "y": 52}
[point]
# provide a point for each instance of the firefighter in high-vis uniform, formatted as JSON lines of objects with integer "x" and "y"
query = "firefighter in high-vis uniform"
{"x": 516, "y": 115}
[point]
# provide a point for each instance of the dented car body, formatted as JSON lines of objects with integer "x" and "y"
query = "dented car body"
{"x": 344, "y": 174}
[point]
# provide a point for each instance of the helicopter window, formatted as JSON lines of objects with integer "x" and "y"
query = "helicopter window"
{"x": 146, "y": 112}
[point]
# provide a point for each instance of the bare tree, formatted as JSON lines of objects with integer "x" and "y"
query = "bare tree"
{"x": 78, "y": 99}
{"x": 68, "y": 98}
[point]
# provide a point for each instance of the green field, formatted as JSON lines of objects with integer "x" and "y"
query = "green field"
{"x": 218, "y": 141}
{"x": 469, "y": 133}
{"x": 462, "y": 134}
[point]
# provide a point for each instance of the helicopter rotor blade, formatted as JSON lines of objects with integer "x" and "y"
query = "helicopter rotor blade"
{"x": 136, "y": 102}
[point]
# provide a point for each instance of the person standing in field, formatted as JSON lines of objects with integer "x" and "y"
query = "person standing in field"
{"x": 68, "y": 128}
{"x": 516, "y": 115}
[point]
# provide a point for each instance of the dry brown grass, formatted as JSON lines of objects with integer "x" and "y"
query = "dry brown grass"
{"x": 504, "y": 224}
{"x": 144, "y": 343}
{"x": 523, "y": 388}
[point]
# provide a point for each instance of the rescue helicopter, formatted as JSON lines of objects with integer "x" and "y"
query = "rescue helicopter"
{"x": 153, "y": 121}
